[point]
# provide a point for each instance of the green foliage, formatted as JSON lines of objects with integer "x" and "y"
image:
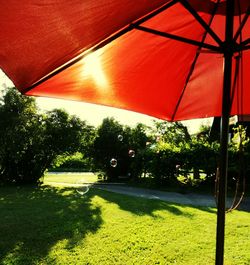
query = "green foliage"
{"x": 72, "y": 163}
{"x": 240, "y": 139}
{"x": 63, "y": 132}
{"x": 174, "y": 155}
{"x": 20, "y": 129}
{"x": 137, "y": 138}
{"x": 165, "y": 157}
{"x": 199, "y": 158}
{"x": 174, "y": 133}
{"x": 238, "y": 157}
{"x": 202, "y": 155}
{"x": 107, "y": 146}
{"x": 87, "y": 140}
{"x": 30, "y": 141}
{"x": 164, "y": 152}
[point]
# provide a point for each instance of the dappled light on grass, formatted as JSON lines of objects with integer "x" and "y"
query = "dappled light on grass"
{"x": 39, "y": 218}
{"x": 51, "y": 225}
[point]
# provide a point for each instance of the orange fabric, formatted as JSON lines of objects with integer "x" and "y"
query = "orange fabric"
{"x": 138, "y": 71}
{"x": 38, "y": 36}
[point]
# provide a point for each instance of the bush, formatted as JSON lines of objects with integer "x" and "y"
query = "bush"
{"x": 73, "y": 163}
{"x": 162, "y": 166}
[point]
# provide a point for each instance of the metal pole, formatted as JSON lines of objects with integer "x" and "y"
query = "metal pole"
{"x": 228, "y": 53}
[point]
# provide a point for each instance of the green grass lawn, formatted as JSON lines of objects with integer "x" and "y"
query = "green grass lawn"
{"x": 70, "y": 178}
{"x": 55, "y": 225}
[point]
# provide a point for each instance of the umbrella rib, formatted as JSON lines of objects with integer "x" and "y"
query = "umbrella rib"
{"x": 238, "y": 61}
{"x": 235, "y": 79}
{"x": 155, "y": 12}
{"x": 242, "y": 25}
{"x": 201, "y": 21}
{"x": 246, "y": 42}
{"x": 178, "y": 38}
{"x": 193, "y": 65}
{"x": 247, "y": 47}
{"x": 244, "y": 45}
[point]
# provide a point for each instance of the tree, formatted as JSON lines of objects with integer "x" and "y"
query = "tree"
{"x": 108, "y": 146}
{"x": 64, "y": 132}
{"x": 119, "y": 151}
{"x": 19, "y": 128}
{"x": 137, "y": 140}
{"x": 174, "y": 133}
{"x": 29, "y": 141}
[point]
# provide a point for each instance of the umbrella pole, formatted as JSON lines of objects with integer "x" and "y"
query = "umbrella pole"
{"x": 226, "y": 103}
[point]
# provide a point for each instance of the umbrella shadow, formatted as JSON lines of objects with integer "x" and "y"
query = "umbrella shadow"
{"x": 144, "y": 206}
{"x": 35, "y": 220}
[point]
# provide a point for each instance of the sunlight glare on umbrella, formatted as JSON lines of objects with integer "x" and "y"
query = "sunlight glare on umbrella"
{"x": 92, "y": 69}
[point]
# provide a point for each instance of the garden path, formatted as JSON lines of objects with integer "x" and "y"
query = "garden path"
{"x": 187, "y": 199}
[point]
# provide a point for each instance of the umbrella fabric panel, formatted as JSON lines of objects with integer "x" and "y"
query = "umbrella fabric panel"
{"x": 179, "y": 21}
{"x": 38, "y": 36}
{"x": 242, "y": 86}
{"x": 202, "y": 96}
{"x": 135, "y": 72}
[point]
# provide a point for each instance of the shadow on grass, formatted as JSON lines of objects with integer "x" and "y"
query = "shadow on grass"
{"x": 151, "y": 201}
{"x": 34, "y": 220}
{"x": 143, "y": 206}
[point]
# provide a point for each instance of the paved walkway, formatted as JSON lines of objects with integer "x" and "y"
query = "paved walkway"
{"x": 188, "y": 199}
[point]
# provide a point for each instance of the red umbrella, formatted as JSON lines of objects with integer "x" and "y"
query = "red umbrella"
{"x": 171, "y": 59}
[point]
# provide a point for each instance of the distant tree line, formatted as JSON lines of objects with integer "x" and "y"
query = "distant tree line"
{"x": 164, "y": 154}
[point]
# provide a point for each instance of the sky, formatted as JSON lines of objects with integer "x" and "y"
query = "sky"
{"x": 94, "y": 114}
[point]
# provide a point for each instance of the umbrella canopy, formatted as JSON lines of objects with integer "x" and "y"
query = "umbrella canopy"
{"x": 161, "y": 58}
{"x": 171, "y": 59}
